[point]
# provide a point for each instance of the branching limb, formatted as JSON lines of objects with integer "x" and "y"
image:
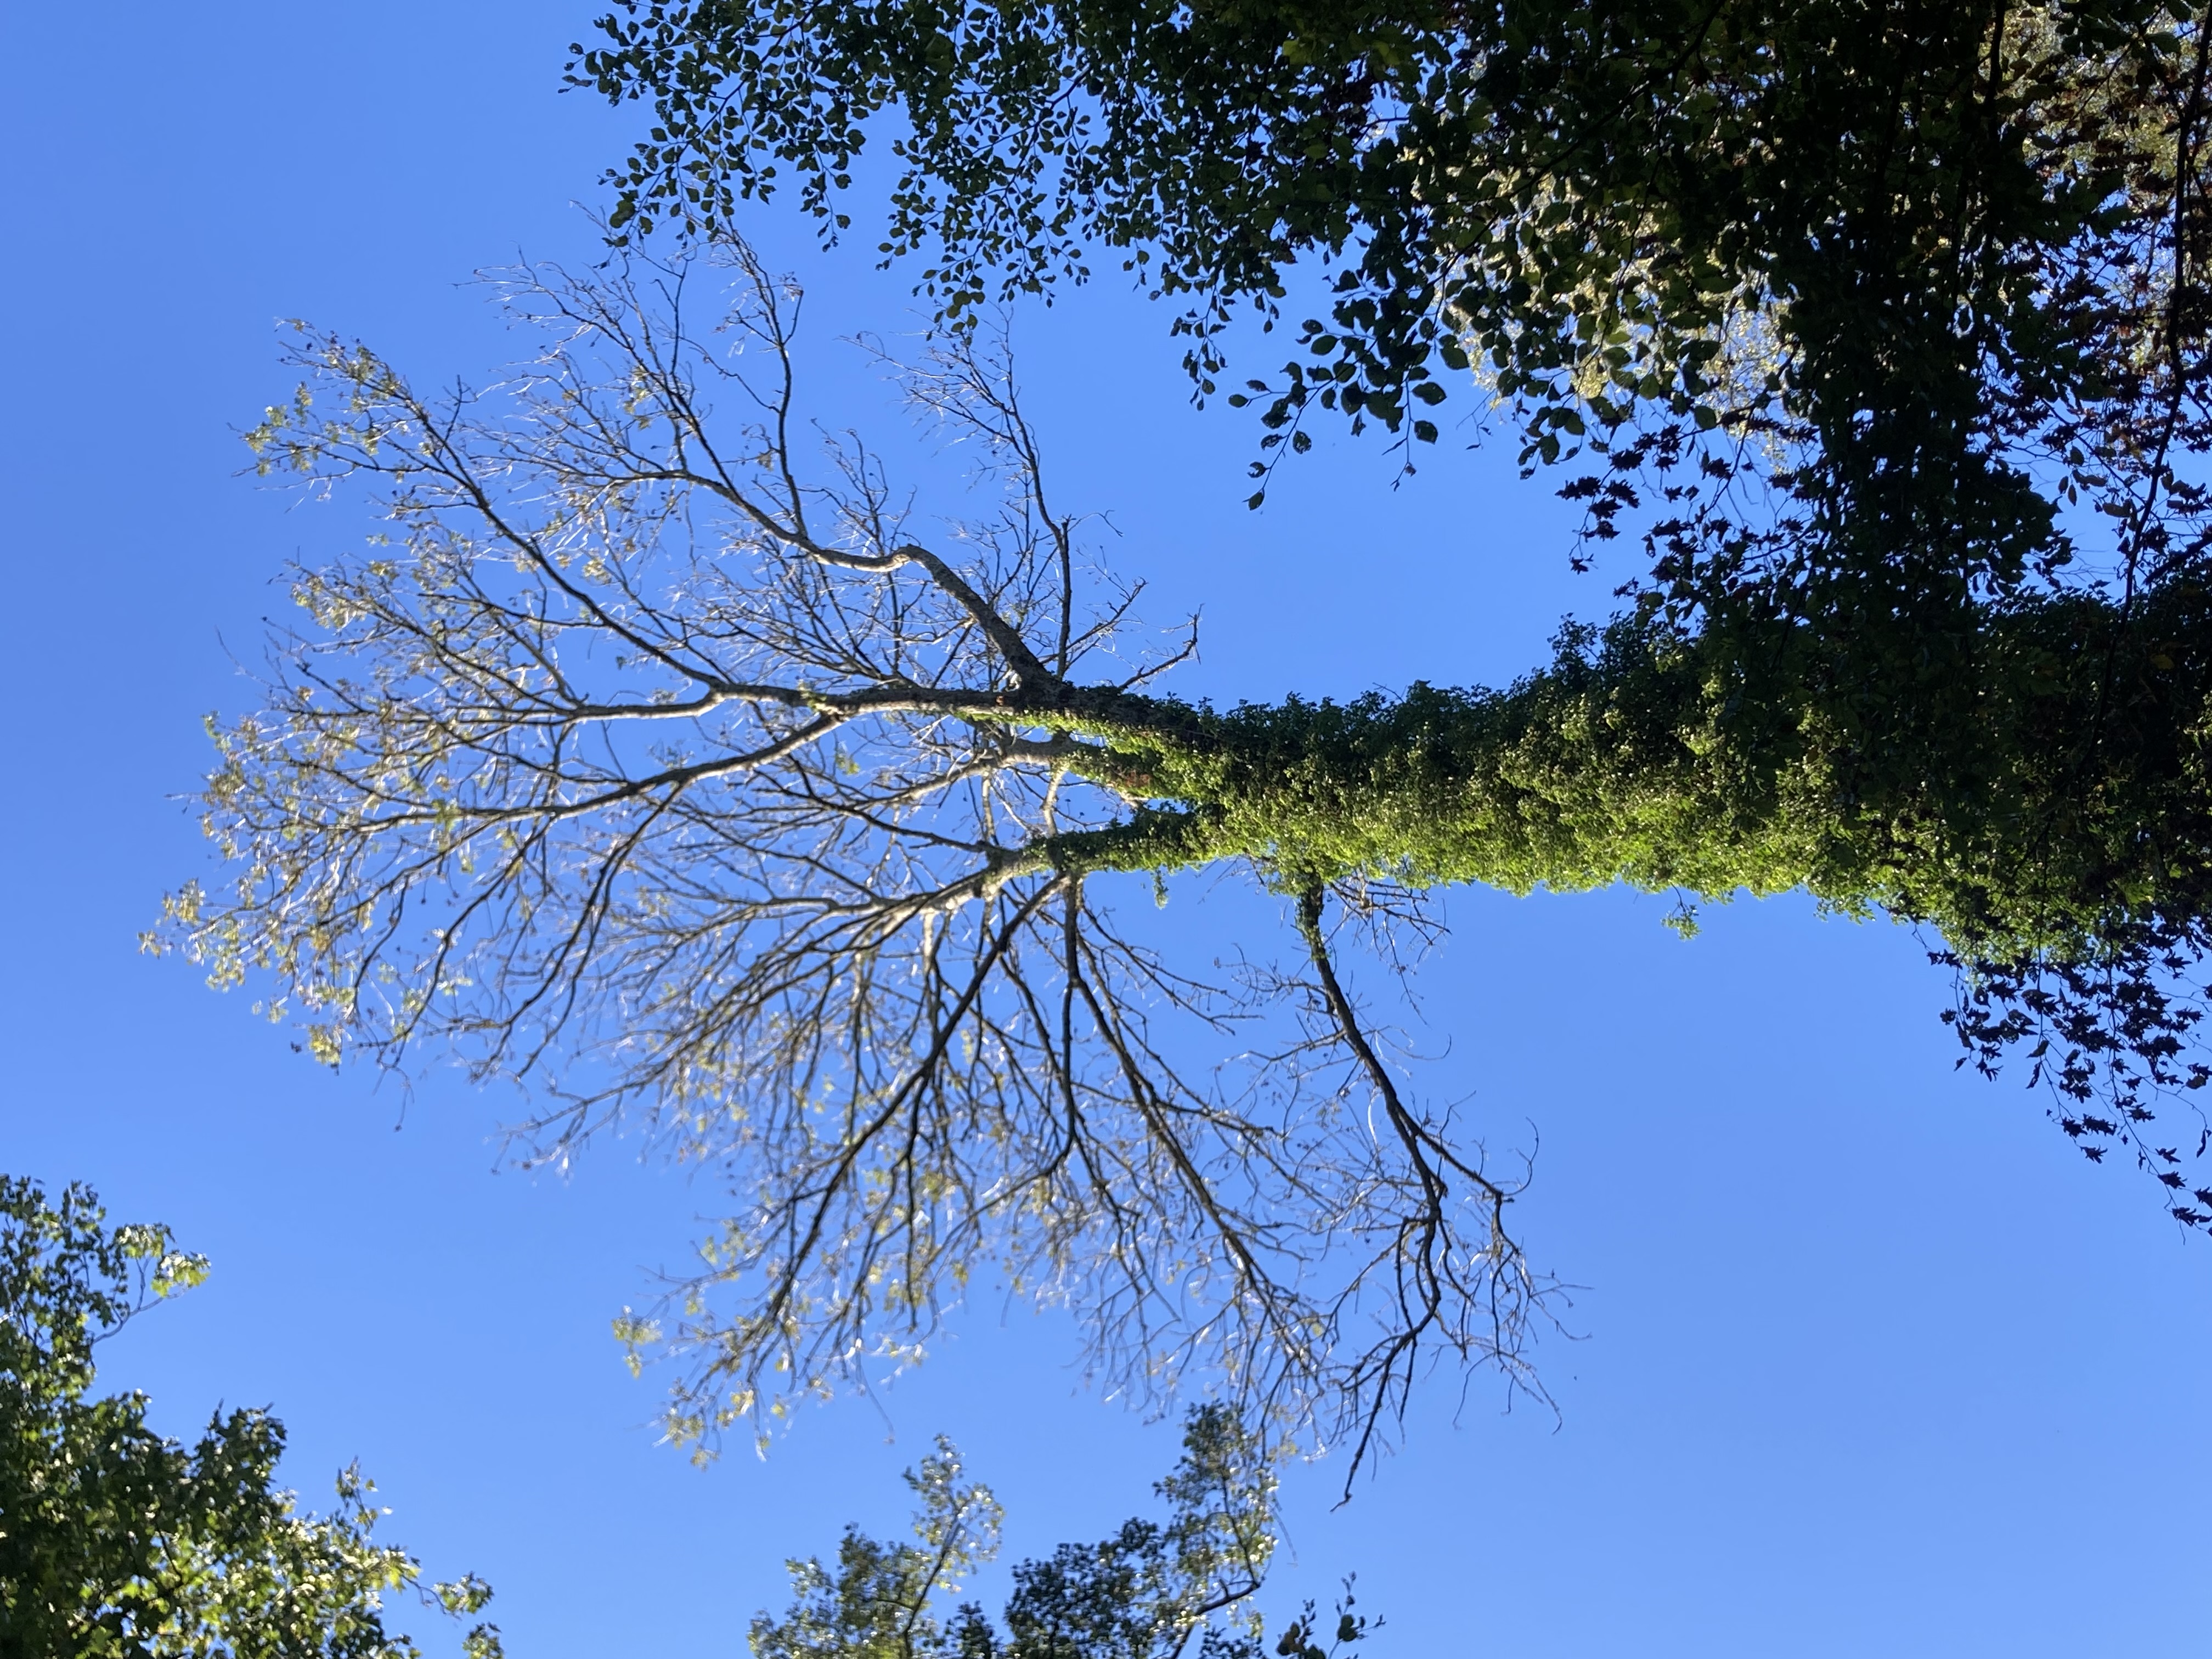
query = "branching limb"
{"x": 692, "y": 779}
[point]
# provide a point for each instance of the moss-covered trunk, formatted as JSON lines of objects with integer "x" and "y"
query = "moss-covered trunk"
{"x": 2018, "y": 780}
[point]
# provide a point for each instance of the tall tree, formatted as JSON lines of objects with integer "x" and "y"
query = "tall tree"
{"x": 118, "y": 1543}
{"x": 662, "y": 762}
{"x": 1880, "y": 324}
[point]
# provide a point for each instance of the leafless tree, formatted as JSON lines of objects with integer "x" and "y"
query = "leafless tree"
{"x": 657, "y": 759}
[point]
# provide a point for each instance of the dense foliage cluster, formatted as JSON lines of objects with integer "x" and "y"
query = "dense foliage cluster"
{"x": 1927, "y": 233}
{"x": 118, "y": 1543}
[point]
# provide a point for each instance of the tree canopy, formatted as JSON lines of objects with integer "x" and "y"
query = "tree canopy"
{"x": 118, "y": 1543}
{"x": 1946, "y": 242}
{"x": 666, "y": 761}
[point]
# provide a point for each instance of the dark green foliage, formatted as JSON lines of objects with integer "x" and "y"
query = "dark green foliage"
{"x": 1152, "y": 1590}
{"x": 118, "y": 1543}
{"x": 1937, "y": 212}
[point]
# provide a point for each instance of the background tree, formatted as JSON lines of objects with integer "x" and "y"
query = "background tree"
{"x": 1882, "y": 324}
{"x": 1153, "y": 1590}
{"x": 116, "y": 1541}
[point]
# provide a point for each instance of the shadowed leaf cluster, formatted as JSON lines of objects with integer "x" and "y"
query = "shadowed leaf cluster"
{"x": 118, "y": 1543}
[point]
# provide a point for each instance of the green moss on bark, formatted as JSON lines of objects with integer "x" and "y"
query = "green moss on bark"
{"x": 2044, "y": 776}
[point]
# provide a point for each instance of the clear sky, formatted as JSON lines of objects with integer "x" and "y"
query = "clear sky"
{"x": 1867, "y": 1359}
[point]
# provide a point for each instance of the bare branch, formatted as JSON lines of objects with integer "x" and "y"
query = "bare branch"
{"x": 683, "y": 775}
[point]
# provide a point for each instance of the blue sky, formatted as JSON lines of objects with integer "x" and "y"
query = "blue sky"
{"x": 1866, "y": 1358}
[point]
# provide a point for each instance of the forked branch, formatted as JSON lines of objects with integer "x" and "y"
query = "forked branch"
{"x": 683, "y": 773}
